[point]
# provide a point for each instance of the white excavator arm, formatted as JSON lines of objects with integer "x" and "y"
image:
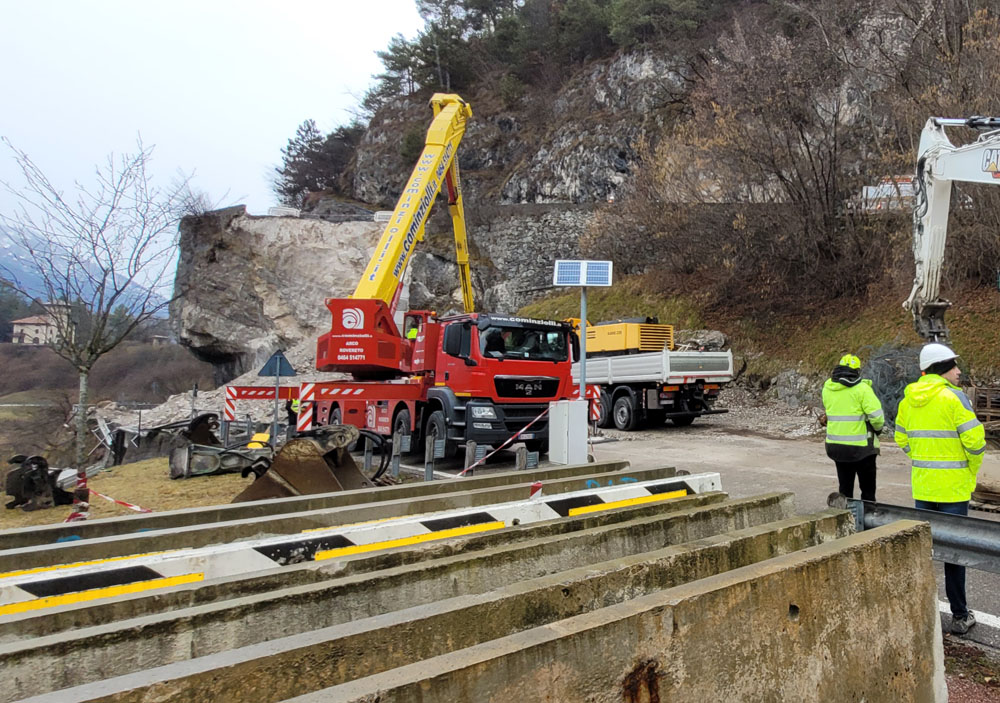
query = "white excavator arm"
{"x": 939, "y": 162}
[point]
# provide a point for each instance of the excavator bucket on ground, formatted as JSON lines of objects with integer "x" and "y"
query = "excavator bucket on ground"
{"x": 312, "y": 462}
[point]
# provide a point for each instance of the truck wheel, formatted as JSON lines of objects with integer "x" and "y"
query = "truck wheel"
{"x": 604, "y": 420}
{"x": 437, "y": 428}
{"x": 401, "y": 425}
{"x": 624, "y": 413}
{"x": 682, "y": 421}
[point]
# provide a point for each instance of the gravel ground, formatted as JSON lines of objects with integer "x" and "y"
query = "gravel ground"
{"x": 749, "y": 413}
{"x": 973, "y": 675}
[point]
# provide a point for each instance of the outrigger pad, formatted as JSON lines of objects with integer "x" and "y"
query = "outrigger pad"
{"x": 316, "y": 462}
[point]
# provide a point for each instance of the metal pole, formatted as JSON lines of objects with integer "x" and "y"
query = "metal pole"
{"x": 583, "y": 343}
{"x": 274, "y": 428}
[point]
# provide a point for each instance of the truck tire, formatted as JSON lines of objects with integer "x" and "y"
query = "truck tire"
{"x": 437, "y": 428}
{"x": 604, "y": 420}
{"x": 625, "y": 415}
{"x": 683, "y": 421}
{"x": 401, "y": 424}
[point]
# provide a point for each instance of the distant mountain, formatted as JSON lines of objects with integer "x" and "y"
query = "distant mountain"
{"x": 16, "y": 265}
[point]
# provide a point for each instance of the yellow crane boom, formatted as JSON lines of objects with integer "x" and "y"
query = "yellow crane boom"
{"x": 437, "y": 166}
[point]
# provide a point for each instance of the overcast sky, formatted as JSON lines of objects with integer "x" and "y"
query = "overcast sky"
{"x": 218, "y": 86}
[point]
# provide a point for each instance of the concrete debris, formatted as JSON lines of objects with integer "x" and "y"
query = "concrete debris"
{"x": 184, "y": 406}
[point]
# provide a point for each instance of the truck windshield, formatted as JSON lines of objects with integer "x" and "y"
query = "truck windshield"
{"x": 523, "y": 343}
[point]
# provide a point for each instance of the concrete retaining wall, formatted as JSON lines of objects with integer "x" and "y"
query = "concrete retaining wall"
{"x": 851, "y": 620}
{"x": 117, "y": 648}
{"x": 293, "y": 665}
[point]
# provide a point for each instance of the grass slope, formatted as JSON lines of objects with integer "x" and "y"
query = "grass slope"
{"x": 143, "y": 483}
{"x": 810, "y": 341}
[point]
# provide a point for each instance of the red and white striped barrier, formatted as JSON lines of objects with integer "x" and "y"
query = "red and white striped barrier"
{"x": 594, "y": 396}
{"x": 470, "y": 467}
{"x": 229, "y": 412}
{"x": 307, "y": 398}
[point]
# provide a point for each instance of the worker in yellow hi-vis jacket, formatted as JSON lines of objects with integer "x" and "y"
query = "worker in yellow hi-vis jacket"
{"x": 938, "y": 428}
{"x": 853, "y": 421}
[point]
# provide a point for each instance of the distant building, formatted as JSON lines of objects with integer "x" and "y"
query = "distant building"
{"x": 37, "y": 329}
{"x": 159, "y": 340}
{"x": 283, "y": 212}
{"x": 892, "y": 194}
{"x": 41, "y": 329}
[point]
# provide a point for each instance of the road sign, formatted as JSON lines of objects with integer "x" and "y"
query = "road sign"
{"x": 277, "y": 365}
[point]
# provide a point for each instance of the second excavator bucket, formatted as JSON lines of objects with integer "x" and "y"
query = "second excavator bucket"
{"x": 316, "y": 462}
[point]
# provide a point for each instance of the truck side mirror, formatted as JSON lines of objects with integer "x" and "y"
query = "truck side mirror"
{"x": 575, "y": 340}
{"x": 452, "y": 340}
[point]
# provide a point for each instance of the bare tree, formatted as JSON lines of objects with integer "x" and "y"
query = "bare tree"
{"x": 94, "y": 259}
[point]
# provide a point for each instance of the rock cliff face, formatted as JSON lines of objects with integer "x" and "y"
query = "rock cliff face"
{"x": 577, "y": 147}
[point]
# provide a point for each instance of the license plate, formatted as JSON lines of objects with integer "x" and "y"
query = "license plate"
{"x": 527, "y": 435}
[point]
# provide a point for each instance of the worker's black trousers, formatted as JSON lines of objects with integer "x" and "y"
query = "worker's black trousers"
{"x": 864, "y": 470}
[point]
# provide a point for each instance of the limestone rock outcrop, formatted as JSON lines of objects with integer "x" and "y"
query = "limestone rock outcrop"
{"x": 247, "y": 286}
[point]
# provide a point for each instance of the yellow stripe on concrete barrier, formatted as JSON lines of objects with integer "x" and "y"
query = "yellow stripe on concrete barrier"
{"x": 353, "y": 524}
{"x": 40, "y": 569}
{"x": 625, "y": 503}
{"x": 406, "y": 541}
{"x": 95, "y": 593}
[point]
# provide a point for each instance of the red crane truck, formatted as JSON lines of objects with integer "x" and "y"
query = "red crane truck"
{"x": 467, "y": 377}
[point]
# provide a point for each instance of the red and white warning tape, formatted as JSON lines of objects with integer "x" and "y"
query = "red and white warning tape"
{"x": 512, "y": 439}
{"x": 80, "y": 515}
{"x": 130, "y": 506}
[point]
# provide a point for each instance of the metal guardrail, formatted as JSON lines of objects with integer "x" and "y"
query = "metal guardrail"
{"x": 956, "y": 539}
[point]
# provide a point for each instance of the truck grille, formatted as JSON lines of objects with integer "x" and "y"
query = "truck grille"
{"x": 526, "y": 387}
{"x": 517, "y": 416}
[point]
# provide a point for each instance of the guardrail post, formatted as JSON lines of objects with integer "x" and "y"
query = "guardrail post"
{"x": 368, "y": 454}
{"x": 521, "y": 458}
{"x": 470, "y": 454}
{"x": 432, "y": 450}
{"x": 396, "y": 449}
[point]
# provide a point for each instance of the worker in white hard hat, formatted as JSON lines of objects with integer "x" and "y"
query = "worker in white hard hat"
{"x": 854, "y": 420}
{"x": 938, "y": 428}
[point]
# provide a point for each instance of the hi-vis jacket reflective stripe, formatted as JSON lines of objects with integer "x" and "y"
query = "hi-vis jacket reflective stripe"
{"x": 937, "y": 427}
{"x": 295, "y": 405}
{"x": 849, "y": 412}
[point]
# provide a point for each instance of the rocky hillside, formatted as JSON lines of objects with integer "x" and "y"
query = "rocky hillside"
{"x": 722, "y": 165}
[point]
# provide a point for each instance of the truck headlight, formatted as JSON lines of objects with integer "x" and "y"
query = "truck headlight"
{"x": 484, "y": 412}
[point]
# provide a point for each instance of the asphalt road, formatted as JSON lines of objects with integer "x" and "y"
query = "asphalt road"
{"x": 755, "y": 461}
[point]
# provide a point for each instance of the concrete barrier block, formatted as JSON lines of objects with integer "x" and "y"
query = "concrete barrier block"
{"x": 850, "y": 620}
{"x": 291, "y": 523}
{"x": 118, "y": 648}
{"x": 75, "y": 617}
{"x": 291, "y": 665}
